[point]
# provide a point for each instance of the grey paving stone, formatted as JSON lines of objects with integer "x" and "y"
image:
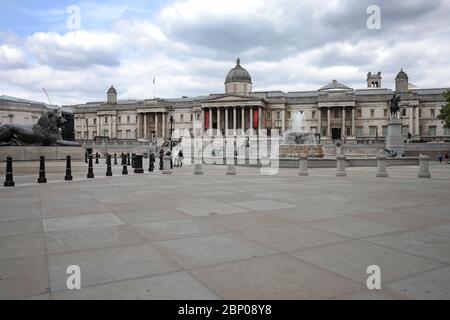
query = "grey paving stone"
{"x": 352, "y": 227}
{"x": 81, "y": 221}
{"x": 107, "y": 265}
{"x": 351, "y": 259}
{"x": 176, "y": 229}
{"x": 17, "y": 227}
{"x": 264, "y": 205}
{"x": 289, "y": 238}
{"x": 201, "y": 210}
{"x": 91, "y": 238}
{"x": 301, "y": 214}
{"x": 171, "y": 286}
{"x": 401, "y": 219}
{"x": 152, "y": 215}
{"x": 245, "y": 221}
{"x": 24, "y": 245}
{"x": 421, "y": 243}
{"x": 23, "y": 277}
{"x": 273, "y": 277}
{"x": 427, "y": 285}
{"x": 213, "y": 249}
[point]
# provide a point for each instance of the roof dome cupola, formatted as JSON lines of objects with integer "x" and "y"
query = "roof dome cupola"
{"x": 111, "y": 96}
{"x": 238, "y": 80}
{"x": 401, "y": 81}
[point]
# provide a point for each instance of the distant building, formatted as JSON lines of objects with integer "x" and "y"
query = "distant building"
{"x": 26, "y": 112}
{"x": 335, "y": 111}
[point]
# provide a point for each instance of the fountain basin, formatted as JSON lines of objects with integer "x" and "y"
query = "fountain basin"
{"x": 306, "y": 150}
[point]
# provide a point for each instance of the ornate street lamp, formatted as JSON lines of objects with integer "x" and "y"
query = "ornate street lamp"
{"x": 172, "y": 122}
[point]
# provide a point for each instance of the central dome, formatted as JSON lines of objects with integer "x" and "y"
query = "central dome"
{"x": 238, "y": 74}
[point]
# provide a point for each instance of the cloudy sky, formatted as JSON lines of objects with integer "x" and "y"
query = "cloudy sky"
{"x": 189, "y": 45}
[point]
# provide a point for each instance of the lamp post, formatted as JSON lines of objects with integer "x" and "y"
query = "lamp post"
{"x": 172, "y": 121}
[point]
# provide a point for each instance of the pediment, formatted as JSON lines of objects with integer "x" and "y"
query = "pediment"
{"x": 232, "y": 97}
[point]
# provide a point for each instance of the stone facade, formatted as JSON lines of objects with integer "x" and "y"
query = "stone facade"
{"x": 335, "y": 111}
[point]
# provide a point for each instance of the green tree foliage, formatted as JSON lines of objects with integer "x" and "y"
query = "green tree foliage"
{"x": 444, "y": 114}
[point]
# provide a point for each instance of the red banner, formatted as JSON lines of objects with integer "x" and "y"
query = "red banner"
{"x": 255, "y": 119}
{"x": 206, "y": 120}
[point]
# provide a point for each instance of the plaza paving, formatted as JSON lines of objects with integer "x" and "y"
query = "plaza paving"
{"x": 180, "y": 236}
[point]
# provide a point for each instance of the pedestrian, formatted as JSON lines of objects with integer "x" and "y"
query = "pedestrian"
{"x": 180, "y": 158}
{"x": 446, "y": 158}
{"x": 439, "y": 156}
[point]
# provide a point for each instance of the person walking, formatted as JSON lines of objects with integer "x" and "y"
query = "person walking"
{"x": 446, "y": 158}
{"x": 439, "y": 156}
{"x": 180, "y": 158}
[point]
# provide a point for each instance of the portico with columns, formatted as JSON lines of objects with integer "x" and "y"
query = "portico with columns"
{"x": 152, "y": 123}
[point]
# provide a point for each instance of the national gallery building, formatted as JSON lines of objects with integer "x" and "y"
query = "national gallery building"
{"x": 336, "y": 111}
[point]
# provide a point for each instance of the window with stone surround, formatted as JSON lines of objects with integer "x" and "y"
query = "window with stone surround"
{"x": 288, "y": 115}
{"x": 348, "y": 131}
{"x": 313, "y": 114}
{"x": 336, "y": 114}
{"x": 432, "y": 130}
{"x": 404, "y": 112}
{"x": 372, "y": 113}
{"x": 359, "y": 131}
{"x": 358, "y": 113}
{"x": 385, "y": 128}
{"x": 432, "y": 113}
{"x": 446, "y": 131}
{"x": 373, "y": 131}
{"x": 385, "y": 113}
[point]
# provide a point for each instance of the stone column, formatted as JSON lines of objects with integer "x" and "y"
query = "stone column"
{"x": 138, "y": 124}
{"x": 283, "y": 121}
{"x": 156, "y": 124}
{"x": 234, "y": 121}
{"x": 226, "y": 121}
{"x": 98, "y": 125}
{"x": 417, "y": 121}
{"x": 411, "y": 120}
{"x": 145, "y": 126}
{"x": 210, "y": 121}
{"x": 251, "y": 120}
{"x": 194, "y": 120}
{"x": 82, "y": 128}
{"x": 329, "y": 122}
{"x": 163, "y": 126}
{"x": 110, "y": 127}
{"x": 202, "y": 119}
{"x": 353, "y": 121}
{"x": 343, "y": 123}
{"x": 320, "y": 121}
{"x": 259, "y": 118}
{"x": 243, "y": 120}
{"x": 218, "y": 121}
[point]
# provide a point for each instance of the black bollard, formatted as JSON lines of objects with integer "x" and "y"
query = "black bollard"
{"x": 90, "y": 174}
{"x": 42, "y": 178}
{"x": 115, "y": 159}
{"x": 133, "y": 159}
{"x": 124, "y": 163}
{"x": 68, "y": 176}
{"x": 96, "y": 157}
{"x": 86, "y": 157}
{"x": 9, "y": 182}
{"x": 106, "y": 158}
{"x": 124, "y": 160}
{"x": 151, "y": 163}
{"x": 128, "y": 159}
{"x": 138, "y": 164}
{"x": 108, "y": 165}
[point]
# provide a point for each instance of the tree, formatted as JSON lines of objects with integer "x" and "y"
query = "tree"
{"x": 444, "y": 114}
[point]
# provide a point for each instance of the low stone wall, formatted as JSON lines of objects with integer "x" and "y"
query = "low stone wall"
{"x": 111, "y": 149}
{"x": 32, "y": 153}
{"x": 430, "y": 149}
{"x": 306, "y": 150}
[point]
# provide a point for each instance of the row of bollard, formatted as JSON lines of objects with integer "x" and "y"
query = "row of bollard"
{"x": 424, "y": 167}
{"x": 165, "y": 166}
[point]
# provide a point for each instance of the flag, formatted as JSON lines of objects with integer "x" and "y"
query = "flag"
{"x": 154, "y": 78}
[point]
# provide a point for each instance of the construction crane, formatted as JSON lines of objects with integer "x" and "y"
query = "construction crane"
{"x": 48, "y": 98}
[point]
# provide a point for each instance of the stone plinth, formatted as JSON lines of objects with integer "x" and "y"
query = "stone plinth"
{"x": 304, "y": 150}
{"x": 30, "y": 153}
{"x": 394, "y": 138}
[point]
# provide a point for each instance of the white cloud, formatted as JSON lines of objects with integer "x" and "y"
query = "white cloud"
{"x": 12, "y": 57}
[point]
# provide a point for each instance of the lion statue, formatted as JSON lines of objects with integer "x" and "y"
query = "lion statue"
{"x": 46, "y": 132}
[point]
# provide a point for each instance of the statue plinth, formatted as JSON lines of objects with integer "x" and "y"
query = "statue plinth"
{"x": 32, "y": 153}
{"x": 394, "y": 139}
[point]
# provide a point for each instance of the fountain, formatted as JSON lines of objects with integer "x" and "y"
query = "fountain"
{"x": 299, "y": 140}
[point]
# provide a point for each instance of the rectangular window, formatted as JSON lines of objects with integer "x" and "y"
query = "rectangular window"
{"x": 432, "y": 130}
{"x": 405, "y": 130}
{"x": 359, "y": 131}
{"x": 404, "y": 112}
{"x": 288, "y": 115}
{"x": 358, "y": 113}
{"x": 336, "y": 114}
{"x": 268, "y": 115}
{"x": 348, "y": 131}
{"x": 278, "y": 115}
{"x": 95, "y": 121}
{"x": 313, "y": 114}
{"x": 432, "y": 113}
{"x": 128, "y": 120}
{"x": 181, "y": 118}
{"x": 324, "y": 131}
{"x": 128, "y": 134}
{"x": 385, "y": 131}
{"x": 192, "y": 116}
{"x": 446, "y": 131}
{"x": 373, "y": 131}
{"x": 119, "y": 120}
{"x": 119, "y": 134}
{"x": 372, "y": 113}
{"x": 385, "y": 113}
{"x": 106, "y": 119}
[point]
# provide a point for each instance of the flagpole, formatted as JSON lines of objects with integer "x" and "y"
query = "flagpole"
{"x": 154, "y": 87}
